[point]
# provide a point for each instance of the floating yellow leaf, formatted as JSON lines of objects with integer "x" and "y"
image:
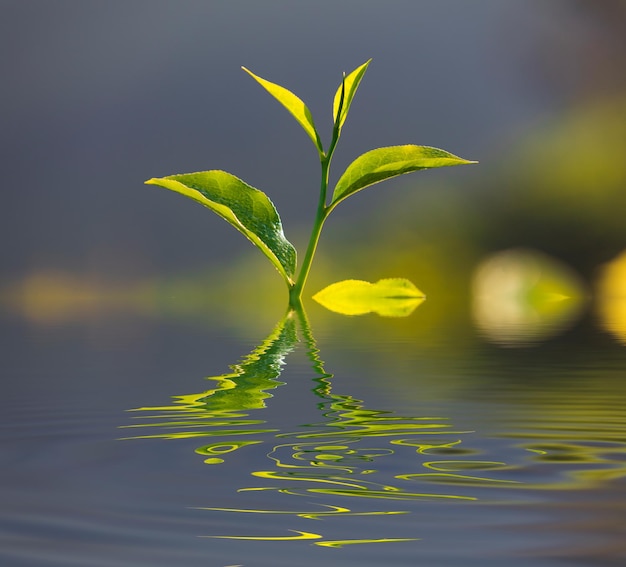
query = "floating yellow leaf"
{"x": 392, "y": 297}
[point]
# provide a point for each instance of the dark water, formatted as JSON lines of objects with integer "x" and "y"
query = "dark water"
{"x": 357, "y": 443}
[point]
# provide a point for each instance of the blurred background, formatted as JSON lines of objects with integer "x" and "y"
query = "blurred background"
{"x": 99, "y": 96}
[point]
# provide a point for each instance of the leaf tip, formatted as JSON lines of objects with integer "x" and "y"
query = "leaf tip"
{"x": 463, "y": 161}
{"x": 249, "y": 72}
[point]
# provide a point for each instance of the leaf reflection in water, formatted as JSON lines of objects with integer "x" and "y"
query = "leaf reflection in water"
{"x": 244, "y": 389}
{"x": 334, "y": 457}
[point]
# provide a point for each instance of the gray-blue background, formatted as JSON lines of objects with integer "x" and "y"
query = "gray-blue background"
{"x": 99, "y": 96}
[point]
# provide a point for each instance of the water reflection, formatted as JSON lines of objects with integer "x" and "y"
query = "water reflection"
{"x": 339, "y": 457}
{"x": 576, "y": 441}
{"x": 244, "y": 389}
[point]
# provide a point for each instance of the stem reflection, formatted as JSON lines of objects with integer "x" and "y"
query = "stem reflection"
{"x": 332, "y": 461}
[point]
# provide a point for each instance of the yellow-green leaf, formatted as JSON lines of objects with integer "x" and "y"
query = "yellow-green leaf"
{"x": 384, "y": 163}
{"x": 349, "y": 86}
{"x": 392, "y": 297}
{"x": 294, "y": 105}
{"x": 249, "y": 210}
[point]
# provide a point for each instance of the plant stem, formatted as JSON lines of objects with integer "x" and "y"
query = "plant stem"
{"x": 295, "y": 291}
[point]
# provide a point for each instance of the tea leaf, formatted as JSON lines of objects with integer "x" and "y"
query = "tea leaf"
{"x": 294, "y": 105}
{"x": 249, "y": 210}
{"x": 393, "y": 297}
{"x": 384, "y": 163}
{"x": 350, "y": 84}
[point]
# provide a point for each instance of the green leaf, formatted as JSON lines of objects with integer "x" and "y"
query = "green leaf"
{"x": 294, "y": 105}
{"x": 384, "y": 163}
{"x": 249, "y": 210}
{"x": 350, "y": 84}
{"x": 392, "y": 297}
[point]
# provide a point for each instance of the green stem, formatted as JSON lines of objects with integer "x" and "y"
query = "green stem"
{"x": 295, "y": 291}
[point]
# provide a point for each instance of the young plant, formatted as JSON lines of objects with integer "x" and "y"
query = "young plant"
{"x": 252, "y": 213}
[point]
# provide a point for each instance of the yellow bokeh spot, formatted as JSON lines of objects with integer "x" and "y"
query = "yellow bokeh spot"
{"x": 611, "y": 305}
{"x": 523, "y": 296}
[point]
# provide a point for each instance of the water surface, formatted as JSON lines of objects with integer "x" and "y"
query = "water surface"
{"x": 136, "y": 442}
